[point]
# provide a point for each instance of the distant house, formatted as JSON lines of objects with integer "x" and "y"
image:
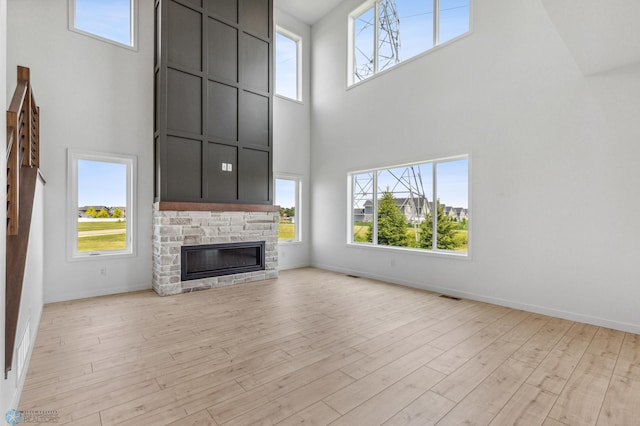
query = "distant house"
{"x": 459, "y": 213}
{"x": 413, "y": 209}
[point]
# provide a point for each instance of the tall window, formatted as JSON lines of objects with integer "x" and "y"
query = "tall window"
{"x": 288, "y": 198}
{"x": 101, "y": 207}
{"x": 110, "y": 20}
{"x": 422, "y": 206}
{"x": 288, "y": 64}
{"x": 384, "y": 33}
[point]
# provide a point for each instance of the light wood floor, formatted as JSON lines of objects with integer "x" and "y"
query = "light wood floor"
{"x": 316, "y": 348}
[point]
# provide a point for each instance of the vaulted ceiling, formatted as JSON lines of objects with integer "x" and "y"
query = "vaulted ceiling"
{"x": 308, "y": 11}
{"x": 601, "y": 35}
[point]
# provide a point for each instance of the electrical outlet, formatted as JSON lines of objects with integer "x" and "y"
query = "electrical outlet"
{"x": 103, "y": 270}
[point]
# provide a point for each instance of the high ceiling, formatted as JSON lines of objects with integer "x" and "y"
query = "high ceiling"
{"x": 308, "y": 11}
{"x": 600, "y": 35}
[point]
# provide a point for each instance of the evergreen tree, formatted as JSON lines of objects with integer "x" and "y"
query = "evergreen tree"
{"x": 446, "y": 230}
{"x": 392, "y": 224}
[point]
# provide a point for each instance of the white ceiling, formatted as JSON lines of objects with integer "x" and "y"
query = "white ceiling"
{"x": 602, "y": 35}
{"x": 308, "y": 11}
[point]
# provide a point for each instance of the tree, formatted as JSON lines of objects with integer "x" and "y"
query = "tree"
{"x": 91, "y": 212}
{"x": 392, "y": 224}
{"x": 102, "y": 214}
{"x": 287, "y": 211}
{"x": 117, "y": 213}
{"x": 446, "y": 230}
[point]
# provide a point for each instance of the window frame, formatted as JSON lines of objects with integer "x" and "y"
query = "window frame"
{"x": 434, "y": 251}
{"x": 351, "y": 39}
{"x": 298, "y": 40}
{"x": 133, "y": 26}
{"x": 73, "y": 156}
{"x": 297, "y": 239}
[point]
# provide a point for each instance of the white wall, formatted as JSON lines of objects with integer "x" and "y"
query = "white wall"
{"x": 554, "y": 163}
{"x": 291, "y": 144}
{"x": 6, "y": 391}
{"x": 93, "y": 96}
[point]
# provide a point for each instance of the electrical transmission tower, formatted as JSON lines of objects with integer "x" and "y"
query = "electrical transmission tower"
{"x": 388, "y": 35}
{"x": 405, "y": 183}
{"x": 387, "y": 41}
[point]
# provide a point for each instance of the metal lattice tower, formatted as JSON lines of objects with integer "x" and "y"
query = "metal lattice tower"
{"x": 388, "y": 35}
{"x": 387, "y": 42}
{"x": 407, "y": 187}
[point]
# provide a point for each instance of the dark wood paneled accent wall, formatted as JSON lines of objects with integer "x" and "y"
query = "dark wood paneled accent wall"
{"x": 213, "y": 101}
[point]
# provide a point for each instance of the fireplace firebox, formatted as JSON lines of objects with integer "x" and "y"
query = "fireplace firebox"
{"x": 214, "y": 260}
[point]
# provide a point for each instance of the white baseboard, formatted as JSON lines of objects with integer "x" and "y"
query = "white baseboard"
{"x": 568, "y": 315}
{"x": 65, "y": 297}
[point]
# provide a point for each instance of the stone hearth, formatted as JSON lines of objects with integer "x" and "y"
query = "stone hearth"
{"x": 172, "y": 229}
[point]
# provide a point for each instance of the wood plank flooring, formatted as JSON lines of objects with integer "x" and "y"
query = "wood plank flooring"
{"x": 317, "y": 348}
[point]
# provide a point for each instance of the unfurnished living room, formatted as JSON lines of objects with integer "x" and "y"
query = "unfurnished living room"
{"x": 345, "y": 212}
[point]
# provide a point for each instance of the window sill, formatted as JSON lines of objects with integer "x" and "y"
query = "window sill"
{"x": 286, "y": 98}
{"x": 411, "y": 251}
{"x": 351, "y": 85}
{"x": 289, "y": 242}
{"x": 100, "y": 256}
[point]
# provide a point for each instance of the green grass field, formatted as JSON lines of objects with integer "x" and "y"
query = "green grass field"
{"x": 99, "y": 226}
{"x": 286, "y": 231}
{"x": 360, "y": 236}
{"x": 102, "y": 242}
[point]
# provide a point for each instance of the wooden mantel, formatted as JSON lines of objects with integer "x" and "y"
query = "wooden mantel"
{"x": 215, "y": 207}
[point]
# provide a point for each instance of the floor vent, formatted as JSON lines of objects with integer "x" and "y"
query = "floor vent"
{"x": 352, "y": 276}
{"x": 23, "y": 351}
{"x": 444, "y": 296}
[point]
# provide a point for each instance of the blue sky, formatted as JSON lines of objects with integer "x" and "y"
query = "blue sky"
{"x": 109, "y": 19}
{"x": 286, "y": 66}
{"x": 102, "y": 184}
{"x": 285, "y": 193}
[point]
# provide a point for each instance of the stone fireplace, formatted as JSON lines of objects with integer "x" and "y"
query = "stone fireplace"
{"x": 198, "y": 224}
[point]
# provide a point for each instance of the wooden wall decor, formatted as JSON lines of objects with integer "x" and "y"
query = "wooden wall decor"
{"x": 213, "y": 101}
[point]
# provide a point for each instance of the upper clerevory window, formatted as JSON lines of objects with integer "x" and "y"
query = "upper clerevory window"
{"x": 384, "y": 33}
{"x": 288, "y": 64}
{"x": 108, "y": 20}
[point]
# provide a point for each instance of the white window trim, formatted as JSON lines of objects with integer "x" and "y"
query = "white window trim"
{"x": 73, "y": 156}
{"x": 297, "y": 239}
{"x": 133, "y": 27}
{"x": 351, "y": 18}
{"x": 298, "y": 40}
{"x": 374, "y": 224}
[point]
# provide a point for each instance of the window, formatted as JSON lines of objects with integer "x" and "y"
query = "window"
{"x": 384, "y": 33}
{"x": 288, "y": 198}
{"x": 288, "y": 64}
{"x": 422, "y": 206}
{"x": 110, "y": 20}
{"x": 101, "y": 208}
